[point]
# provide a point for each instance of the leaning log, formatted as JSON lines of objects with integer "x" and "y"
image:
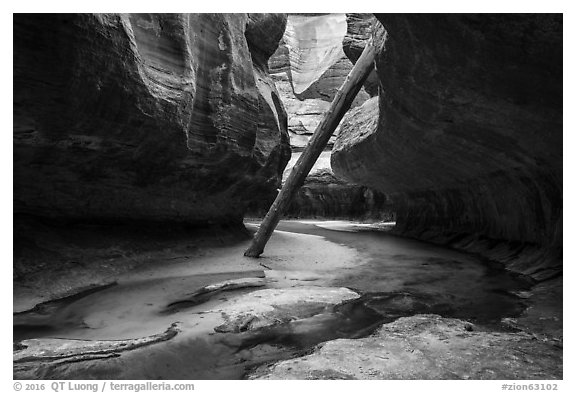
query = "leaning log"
{"x": 340, "y": 105}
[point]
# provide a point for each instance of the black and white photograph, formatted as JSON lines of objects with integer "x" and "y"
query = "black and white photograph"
{"x": 286, "y": 196}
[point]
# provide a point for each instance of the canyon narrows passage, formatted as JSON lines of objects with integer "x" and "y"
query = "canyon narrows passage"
{"x": 426, "y": 242}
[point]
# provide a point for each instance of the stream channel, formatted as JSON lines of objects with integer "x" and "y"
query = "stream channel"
{"x": 395, "y": 277}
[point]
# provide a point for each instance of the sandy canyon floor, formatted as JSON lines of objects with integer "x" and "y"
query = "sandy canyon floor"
{"x": 328, "y": 299}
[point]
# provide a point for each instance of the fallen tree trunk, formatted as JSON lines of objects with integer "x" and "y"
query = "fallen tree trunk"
{"x": 340, "y": 105}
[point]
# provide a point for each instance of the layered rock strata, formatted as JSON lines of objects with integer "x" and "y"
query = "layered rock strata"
{"x": 360, "y": 28}
{"x": 466, "y": 135}
{"x": 323, "y": 195}
{"x": 309, "y": 67}
{"x": 168, "y": 117}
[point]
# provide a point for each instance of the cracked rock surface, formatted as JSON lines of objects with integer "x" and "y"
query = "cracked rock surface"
{"x": 425, "y": 347}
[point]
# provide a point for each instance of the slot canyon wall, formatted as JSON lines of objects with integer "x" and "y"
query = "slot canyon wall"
{"x": 177, "y": 118}
{"x": 466, "y": 134}
{"x": 309, "y": 66}
{"x": 162, "y": 117}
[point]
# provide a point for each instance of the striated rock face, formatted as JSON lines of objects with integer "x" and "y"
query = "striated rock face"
{"x": 360, "y": 28}
{"x": 155, "y": 116}
{"x": 466, "y": 135}
{"x": 309, "y": 67}
{"x": 324, "y": 195}
{"x": 314, "y": 44}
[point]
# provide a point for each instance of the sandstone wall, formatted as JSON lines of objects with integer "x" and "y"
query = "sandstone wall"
{"x": 308, "y": 68}
{"x": 325, "y": 196}
{"x": 466, "y": 135}
{"x": 154, "y": 116}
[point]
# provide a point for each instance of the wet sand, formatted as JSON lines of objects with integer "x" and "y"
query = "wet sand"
{"x": 391, "y": 277}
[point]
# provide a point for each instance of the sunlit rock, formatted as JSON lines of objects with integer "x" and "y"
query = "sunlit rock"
{"x": 309, "y": 67}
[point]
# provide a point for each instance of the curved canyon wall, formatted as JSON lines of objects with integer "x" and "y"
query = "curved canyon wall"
{"x": 466, "y": 134}
{"x": 169, "y": 117}
{"x": 323, "y": 196}
{"x": 309, "y": 67}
